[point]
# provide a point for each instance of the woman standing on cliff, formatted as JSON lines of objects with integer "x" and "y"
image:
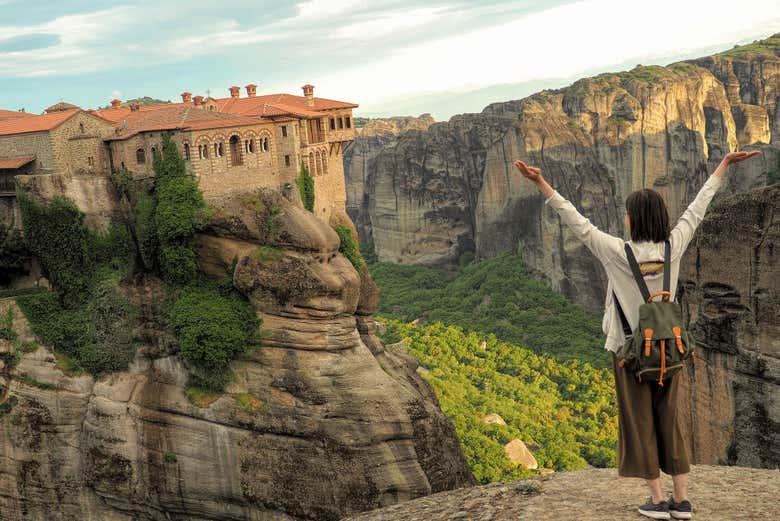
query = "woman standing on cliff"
{"x": 649, "y": 435}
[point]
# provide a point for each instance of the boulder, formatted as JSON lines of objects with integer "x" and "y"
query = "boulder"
{"x": 518, "y": 453}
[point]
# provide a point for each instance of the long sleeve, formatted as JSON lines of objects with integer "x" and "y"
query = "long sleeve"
{"x": 603, "y": 245}
{"x": 690, "y": 219}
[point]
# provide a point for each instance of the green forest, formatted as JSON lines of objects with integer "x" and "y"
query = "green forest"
{"x": 491, "y": 339}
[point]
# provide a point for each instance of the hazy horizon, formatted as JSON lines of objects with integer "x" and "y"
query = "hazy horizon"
{"x": 394, "y": 57}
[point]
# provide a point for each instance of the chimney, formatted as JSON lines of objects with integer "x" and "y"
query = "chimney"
{"x": 134, "y": 106}
{"x": 115, "y": 103}
{"x": 198, "y": 100}
{"x": 251, "y": 90}
{"x": 235, "y": 91}
{"x": 186, "y": 97}
{"x": 308, "y": 92}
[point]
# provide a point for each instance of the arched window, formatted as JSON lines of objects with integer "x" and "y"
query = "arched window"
{"x": 140, "y": 156}
{"x": 187, "y": 151}
{"x": 252, "y": 146}
{"x": 265, "y": 144}
{"x": 235, "y": 151}
{"x": 81, "y": 127}
{"x": 221, "y": 149}
{"x": 200, "y": 151}
{"x": 206, "y": 151}
{"x": 154, "y": 150}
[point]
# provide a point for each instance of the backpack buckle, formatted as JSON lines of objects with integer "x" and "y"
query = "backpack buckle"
{"x": 667, "y": 295}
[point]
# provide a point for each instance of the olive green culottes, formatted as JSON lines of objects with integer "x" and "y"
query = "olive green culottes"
{"x": 650, "y": 436}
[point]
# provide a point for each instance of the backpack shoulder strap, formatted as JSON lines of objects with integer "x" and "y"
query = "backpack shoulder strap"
{"x": 640, "y": 280}
{"x": 667, "y": 265}
{"x": 623, "y": 319}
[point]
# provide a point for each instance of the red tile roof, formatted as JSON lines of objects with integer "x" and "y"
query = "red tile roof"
{"x": 14, "y": 162}
{"x": 178, "y": 116}
{"x": 12, "y": 114}
{"x": 10, "y": 127}
{"x": 271, "y": 105}
{"x": 282, "y": 103}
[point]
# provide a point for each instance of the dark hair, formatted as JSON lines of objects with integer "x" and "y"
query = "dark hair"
{"x": 648, "y": 216}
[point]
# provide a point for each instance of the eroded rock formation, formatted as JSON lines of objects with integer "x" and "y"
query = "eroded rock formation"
{"x": 369, "y": 140}
{"x": 320, "y": 421}
{"x": 731, "y": 297}
{"x": 429, "y": 196}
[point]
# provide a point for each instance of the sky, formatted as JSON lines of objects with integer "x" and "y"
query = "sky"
{"x": 393, "y": 57}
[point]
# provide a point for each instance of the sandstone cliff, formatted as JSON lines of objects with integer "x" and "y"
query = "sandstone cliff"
{"x": 718, "y": 494}
{"x": 429, "y": 196}
{"x": 369, "y": 140}
{"x": 320, "y": 421}
{"x": 731, "y": 298}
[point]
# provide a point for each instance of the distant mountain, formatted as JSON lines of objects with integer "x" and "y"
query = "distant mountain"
{"x": 144, "y": 100}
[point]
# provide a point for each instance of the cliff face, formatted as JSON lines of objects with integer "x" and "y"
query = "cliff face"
{"x": 429, "y": 196}
{"x": 731, "y": 299}
{"x": 369, "y": 140}
{"x": 319, "y": 422}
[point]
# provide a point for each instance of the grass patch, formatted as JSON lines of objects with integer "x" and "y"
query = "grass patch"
{"x": 200, "y": 397}
{"x": 169, "y": 457}
{"x": 249, "y": 403}
{"x": 29, "y": 380}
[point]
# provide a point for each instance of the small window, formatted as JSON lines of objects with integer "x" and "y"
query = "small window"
{"x": 154, "y": 153}
{"x": 91, "y": 161}
{"x": 265, "y": 144}
{"x": 348, "y": 122}
{"x": 332, "y": 123}
{"x": 140, "y": 156}
{"x": 284, "y": 130}
{"x": 251, "y": 146}
{"x": 187, "y": 151}
{"x": 81, "y": 127}
{"x": 205, "y": 151}
{"x": 341, "y": 123}
{"x": 287, "y": 160}
{"x": 220, "y": 150}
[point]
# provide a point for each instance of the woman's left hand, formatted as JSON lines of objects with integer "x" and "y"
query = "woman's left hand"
{"x": 736, "y": 157}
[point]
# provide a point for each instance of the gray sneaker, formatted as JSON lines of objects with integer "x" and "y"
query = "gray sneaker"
{"x": 681, "y": 510}
{"x": 655, "y": 510}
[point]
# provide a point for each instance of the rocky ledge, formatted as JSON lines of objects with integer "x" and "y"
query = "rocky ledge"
{"x": 719, "y": 493}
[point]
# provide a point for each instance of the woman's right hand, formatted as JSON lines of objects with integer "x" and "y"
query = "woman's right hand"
{"x": 529, "y": 172}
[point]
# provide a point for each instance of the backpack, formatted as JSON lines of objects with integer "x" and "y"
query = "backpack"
{"x": 658, "y": 348}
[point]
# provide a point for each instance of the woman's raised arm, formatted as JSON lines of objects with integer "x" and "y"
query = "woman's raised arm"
{"x": 603, "y": 245}
{"x": 683, "y": 231}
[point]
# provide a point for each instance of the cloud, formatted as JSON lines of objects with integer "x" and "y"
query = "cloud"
{"x": 558, "y": 42}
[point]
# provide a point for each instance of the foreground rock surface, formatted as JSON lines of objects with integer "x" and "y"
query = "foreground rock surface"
{"x": 321, "y": 421}
{"x": 718, "y": 494}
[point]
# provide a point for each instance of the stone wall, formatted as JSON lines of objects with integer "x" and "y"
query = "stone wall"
{"x": 78, "y": 147}
{"x": 38, "y": 144}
